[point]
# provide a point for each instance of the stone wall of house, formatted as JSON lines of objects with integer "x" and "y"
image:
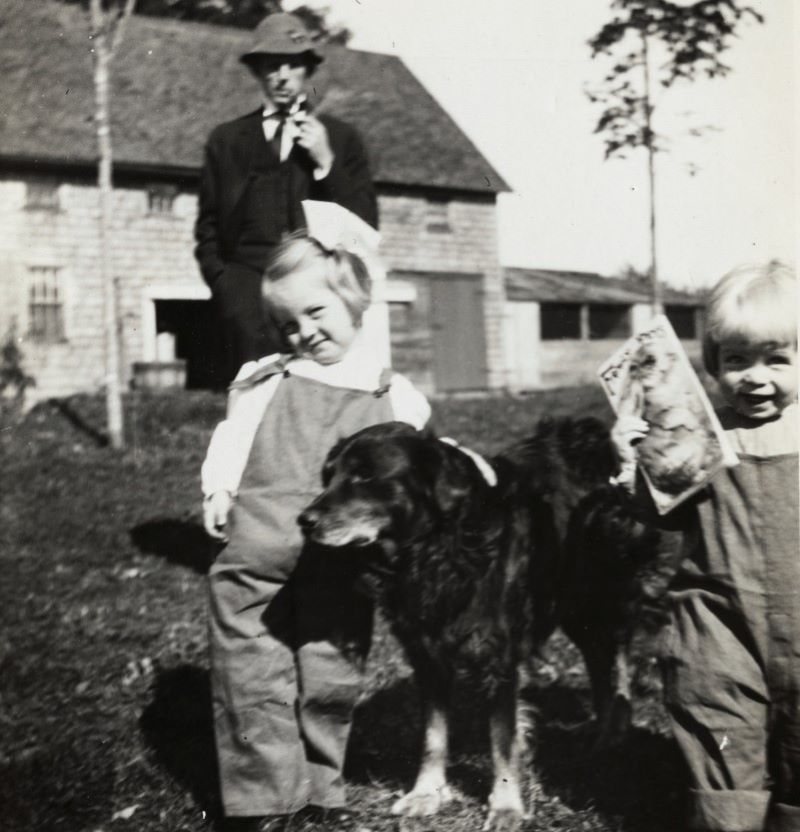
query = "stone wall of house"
{"x": 152, "y": 251}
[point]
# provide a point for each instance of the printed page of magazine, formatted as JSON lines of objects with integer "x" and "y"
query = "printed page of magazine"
{"x": 650, "y": 376}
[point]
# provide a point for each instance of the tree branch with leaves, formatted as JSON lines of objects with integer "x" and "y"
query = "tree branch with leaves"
{"x": 245, "y": 14}
{"x": 692, "y": 37}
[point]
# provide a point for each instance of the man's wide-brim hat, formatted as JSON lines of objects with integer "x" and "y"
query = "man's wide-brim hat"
{"x": 281, "y": 34}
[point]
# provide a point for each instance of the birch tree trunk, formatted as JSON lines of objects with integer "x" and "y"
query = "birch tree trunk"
{"x": 656, "y": 296}
{"x": 106, "y": 33}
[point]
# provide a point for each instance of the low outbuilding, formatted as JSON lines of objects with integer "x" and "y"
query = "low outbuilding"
{"x": 561, "y": 325}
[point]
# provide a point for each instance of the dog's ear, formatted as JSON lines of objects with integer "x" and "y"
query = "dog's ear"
{"x": 428, "y": 431}
{"x": 448, "y": 476}
{"x": 452, "y": 489}
{"x": 330, "y": 459}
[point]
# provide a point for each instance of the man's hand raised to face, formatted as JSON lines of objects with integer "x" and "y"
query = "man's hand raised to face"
{"x": 313, "y": 137}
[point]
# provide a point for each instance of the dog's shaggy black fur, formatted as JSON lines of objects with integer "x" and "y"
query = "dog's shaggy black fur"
{"x": 613, "y": 567}
{"x": 616, "y": 573}
{"x": 450, "y": 558}
{"x": 474, "y": 578}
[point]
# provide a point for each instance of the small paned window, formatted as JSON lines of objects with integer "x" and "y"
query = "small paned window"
{"x": 683, "y": 320}
{"x": 437, "y": 215}
{"x": 42, "y": 194}
{"x": 45, "y": 305}
{"x": 399, "y": 317}
{"x": 609, "y": 320}
{"x": 560, "y": 321}
{"x": 161, "y": 198}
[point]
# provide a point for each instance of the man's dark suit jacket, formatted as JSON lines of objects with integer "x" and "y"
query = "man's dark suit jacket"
{"x": 227, "y": 168}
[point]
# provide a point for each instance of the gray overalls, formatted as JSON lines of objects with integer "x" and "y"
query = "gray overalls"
{"x": 733, "y": 650}
{"x": 288, "y": 635}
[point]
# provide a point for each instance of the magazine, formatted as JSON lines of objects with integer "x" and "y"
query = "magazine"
{"x": 650, "y": 376}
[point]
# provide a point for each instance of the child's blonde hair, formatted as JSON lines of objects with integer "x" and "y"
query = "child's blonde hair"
{"x": 345, "y": 273}
{"x": 751, "y": 303}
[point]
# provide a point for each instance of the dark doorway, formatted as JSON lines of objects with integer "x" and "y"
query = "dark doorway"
{"x": 197, "y": 340}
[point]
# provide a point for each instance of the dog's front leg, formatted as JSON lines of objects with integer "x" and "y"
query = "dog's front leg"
{"x": 430, "y": 792}
{"x": 609, "y": 673}
{"x": 506, "y": 809}
{"x": 617, "y": 720}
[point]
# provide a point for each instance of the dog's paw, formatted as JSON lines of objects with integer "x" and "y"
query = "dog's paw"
{"x": 503, "y": 820}
{"x": 417, "y": 804}
{"x": 506, "y": 811}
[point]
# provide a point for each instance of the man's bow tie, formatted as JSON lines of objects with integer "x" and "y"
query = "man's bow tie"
{"x": 275, "y": 115}
{"x": 283, "y": 116}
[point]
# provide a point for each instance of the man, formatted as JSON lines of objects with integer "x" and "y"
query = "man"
{"x": 256, "y": 171}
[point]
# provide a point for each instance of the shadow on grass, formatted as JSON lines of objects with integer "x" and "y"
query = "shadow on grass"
{"x": 386, "y": 741}
{"x": 178, "y": 728}
{"x": 67, "y": 786}
{"x": 384, "y": 745}
{"x": 639, "y": 784}
{"x": 182, "y": 542}
{"x": 67, "y": 409}
{"x": 641, "y": 781}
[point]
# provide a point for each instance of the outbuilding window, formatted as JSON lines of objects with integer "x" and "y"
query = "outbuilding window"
{"x": 683, "y": 320}
{"x": 609, "y": 320}
{"x": 560, "y": 321}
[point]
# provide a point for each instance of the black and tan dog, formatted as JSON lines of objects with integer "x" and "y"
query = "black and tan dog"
{"x": 474, "y": 577}
{"x": 450, "y": 556}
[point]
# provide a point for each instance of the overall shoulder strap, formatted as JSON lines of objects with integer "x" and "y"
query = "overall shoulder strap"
{"x": 274, "y": 368}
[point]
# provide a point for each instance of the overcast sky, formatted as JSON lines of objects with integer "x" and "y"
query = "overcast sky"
{"x": 512, "y": 74}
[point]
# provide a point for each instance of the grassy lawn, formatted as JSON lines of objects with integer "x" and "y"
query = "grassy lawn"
{"x": 104, "y": 700}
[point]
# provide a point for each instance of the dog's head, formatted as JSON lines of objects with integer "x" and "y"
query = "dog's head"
{"x": 389, "y": 483}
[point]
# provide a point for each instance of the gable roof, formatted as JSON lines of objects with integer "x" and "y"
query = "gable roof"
{"x": 554, "y": 286}
{"x": 174, "y": 81}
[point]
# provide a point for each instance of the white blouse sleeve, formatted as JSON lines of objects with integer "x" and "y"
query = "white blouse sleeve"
{"x": 408, "y": 404}
{"x": 233, "y": 437}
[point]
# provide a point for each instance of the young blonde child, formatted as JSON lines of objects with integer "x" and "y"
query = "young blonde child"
{"x": 732, "y": 652}
{"x": 288, "y": 634}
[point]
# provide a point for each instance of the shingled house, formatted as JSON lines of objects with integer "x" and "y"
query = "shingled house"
{"x": 172, "y": 83}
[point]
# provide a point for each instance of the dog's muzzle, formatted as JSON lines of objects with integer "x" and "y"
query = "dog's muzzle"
{"x": 321, "y": 527}
{"x": 308, "y": 520}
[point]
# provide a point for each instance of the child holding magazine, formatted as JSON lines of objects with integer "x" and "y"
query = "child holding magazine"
{"x": 732, "y": 652}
